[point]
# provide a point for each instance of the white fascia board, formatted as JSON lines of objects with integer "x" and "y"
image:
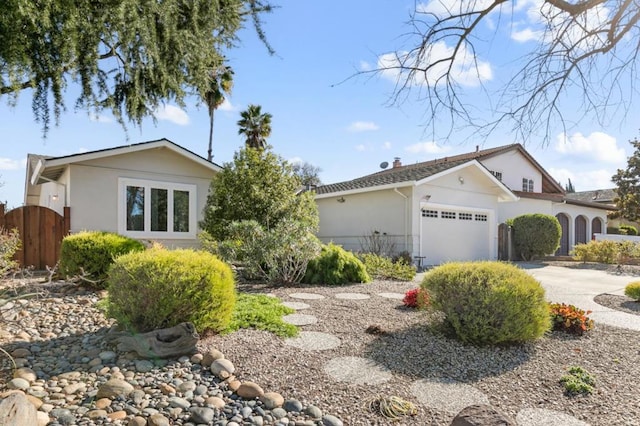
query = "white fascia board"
{"x": 367, "y": 189}
{"x": 507, "y": 194}
{"x": 37, "y": 171}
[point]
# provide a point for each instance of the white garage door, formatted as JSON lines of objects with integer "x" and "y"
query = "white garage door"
{"x": 450, "y": 235}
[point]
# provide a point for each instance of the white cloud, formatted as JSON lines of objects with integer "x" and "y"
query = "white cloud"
{"x": 9, "y": 164}
{"x": 584, "y": 180}
{"x": 99, "y": 118}
{"x": 466, "y": 70}
{"x": 362, "y": 126}
{"x": 597, "y": 146}
{"x": 426, "y": 148}
{"x": 361, "y": 147}
{"x": 386, "y": 145}
{"x": 525, "y": 35}
{"x": 365, "y": 66}
{"x": 227, "y": 106}
{"x": 173, "y": 114}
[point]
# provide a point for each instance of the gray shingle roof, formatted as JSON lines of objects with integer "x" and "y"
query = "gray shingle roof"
{"x": 605, "y": 196}
{"x": 412, "y": 172}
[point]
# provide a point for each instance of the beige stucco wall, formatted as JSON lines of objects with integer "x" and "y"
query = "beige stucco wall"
{"x": 346, "y": 223}
{"x": 93, "y": 186}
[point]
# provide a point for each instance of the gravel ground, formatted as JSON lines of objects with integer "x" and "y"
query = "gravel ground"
{"x": 513, "y": 377}
{"x": 619, "y": 303}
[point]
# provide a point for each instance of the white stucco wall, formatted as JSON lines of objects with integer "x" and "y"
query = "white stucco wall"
{"x": 93, "y": 186}
{"x": 514, "y": 167}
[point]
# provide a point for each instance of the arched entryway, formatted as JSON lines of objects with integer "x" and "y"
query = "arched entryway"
{"x": 596, "y": 226}
{"x": 581, "y": 230}
{"x": 563, "y": 250}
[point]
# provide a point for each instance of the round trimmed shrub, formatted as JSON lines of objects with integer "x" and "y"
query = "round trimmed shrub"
{"x": 489, "y": 302}
{"x": 334, "y": 266}
{"x": 160, "y": 288}
{"x": 93, "y": 252}
{"x": 632, "y": 290}
{"x": 535, "y": 234}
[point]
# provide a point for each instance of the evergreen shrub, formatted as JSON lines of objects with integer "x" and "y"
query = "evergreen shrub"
{"x": 160, "y": 288}
{"x": 632, "y": 290}
{"x": 90, "y": 253}
{"x": 489, "y": 302}
{"x": 334, "y": 266}
{"x": 535, "y": 235}
{"x": 383, "y": 268}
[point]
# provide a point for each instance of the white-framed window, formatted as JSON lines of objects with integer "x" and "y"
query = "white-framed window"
{"x": 154, "y": 209}
{"x": 465, "y": 216}
{"x": 498, "y": 175}
{"x": 448, "y": 215}
{"x": 429, "y": 213}
{"x": 527, "y": 185}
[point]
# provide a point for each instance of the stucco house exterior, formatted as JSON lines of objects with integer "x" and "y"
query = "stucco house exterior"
{"x": 450, "y": 208}
{"x": 154, "y": 190}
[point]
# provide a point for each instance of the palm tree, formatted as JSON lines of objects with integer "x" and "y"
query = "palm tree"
{"x": 256, "y": 126}
{"x": 220, "y": 84}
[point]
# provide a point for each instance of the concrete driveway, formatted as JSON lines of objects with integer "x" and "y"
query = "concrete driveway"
{"x": 579, "y": 286}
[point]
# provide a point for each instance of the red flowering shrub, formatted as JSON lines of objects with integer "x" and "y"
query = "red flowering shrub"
{"x": 416, "y": 298}
{"x": 570, "y": 318}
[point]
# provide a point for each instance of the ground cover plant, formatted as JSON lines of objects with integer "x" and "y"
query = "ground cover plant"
{"x": 632, "y": 290}
{"x": 9, "y": 245}
{"x": 160, "y": 288}
{"x": 578, "y": 381}
{"x": 89, "y": 254}
{"x": 488, "y": 302}
{"x": 416, "y": 298}
{"x": 261, "y": 312}
{"x": 570, "y": 319}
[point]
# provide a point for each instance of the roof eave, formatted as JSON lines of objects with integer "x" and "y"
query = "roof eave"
{"x": 367, "y": 189}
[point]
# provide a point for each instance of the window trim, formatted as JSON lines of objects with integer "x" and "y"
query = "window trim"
{"x": 529, "y": 185}
{"x": 147, "y": 185}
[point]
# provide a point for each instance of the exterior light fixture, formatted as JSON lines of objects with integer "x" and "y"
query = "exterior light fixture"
{"x": 341, "y": 200}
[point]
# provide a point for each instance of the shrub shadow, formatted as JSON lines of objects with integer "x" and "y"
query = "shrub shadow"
{"x": 428, "y": 351}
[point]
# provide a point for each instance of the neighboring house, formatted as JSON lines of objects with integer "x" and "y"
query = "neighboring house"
{"x": 450, "y": 208}
{"x": 153, "y": 190}
{"x": 607, "y": 197}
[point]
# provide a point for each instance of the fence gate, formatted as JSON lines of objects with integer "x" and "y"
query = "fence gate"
{"x": 41, "y": 232}
{"x": 503, "y": 242}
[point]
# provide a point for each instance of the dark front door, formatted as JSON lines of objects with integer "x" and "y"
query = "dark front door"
{"x": 581, "y": 230}
{"x": 563, "y": 250}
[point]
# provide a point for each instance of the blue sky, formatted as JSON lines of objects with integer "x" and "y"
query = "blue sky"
{"x": 343, "y": 125}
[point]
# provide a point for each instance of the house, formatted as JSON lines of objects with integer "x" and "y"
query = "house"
{"x": 450, "y": 208}
{"x": 153, "y": 190}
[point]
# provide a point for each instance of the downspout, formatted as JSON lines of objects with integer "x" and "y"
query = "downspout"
{"x": 405, "y": 215}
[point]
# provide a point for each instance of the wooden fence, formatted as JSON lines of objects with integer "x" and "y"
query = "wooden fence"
{"x": 41, "y": 232}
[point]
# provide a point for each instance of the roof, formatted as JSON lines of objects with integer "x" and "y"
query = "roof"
{"x": 419, "y": 171}
{"x": 602, "y": 196}
{"x": 51, "y": 168}
{"x": 560, "y": 198}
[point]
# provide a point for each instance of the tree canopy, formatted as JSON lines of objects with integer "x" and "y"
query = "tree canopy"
{"x": 308, "y": 173}
{"x": 255, "y": 126}
{"x": 628, "y": 186}
{"x": 125, "y": 56}
{"x": 577, "y": 49}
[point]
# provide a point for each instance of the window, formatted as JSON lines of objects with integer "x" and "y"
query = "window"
{"x": 465, "y": 216}
{"x": 498, "y": 175}
{"x": 429, "y": 213}
{"x": 481, "y": 217}
{"x": 150, "y": 209}
{"x": 527, "y": 185}
{"x": 448, "y": 215}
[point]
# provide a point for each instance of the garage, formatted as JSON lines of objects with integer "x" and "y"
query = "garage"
{"x": 452, "y": 234}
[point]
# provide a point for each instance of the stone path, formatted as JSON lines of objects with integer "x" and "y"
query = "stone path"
{"x": 444, "y": 395}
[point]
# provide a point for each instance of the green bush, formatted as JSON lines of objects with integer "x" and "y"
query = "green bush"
{"x": 9, "y": 245}
{"x": 535, "y": 235}
{"x": 578, "y": 381}
{"x": 89, "y": 254}
{"x": 278, "y": 255}
{"x": 160, "y": 288}
{"x": 632, "y": 290}
{"x": 628, "y": 230}
{"x": 383, "y": 268}
{"x": 489, "y": 302}
{"x": 335, "y": 265}
{"x": 606, "y": 251}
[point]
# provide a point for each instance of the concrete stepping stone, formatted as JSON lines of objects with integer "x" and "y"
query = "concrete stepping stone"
{"x": 398, "y": 296}
{"x": 542, "y": 417}
{"x": 361, "y": 371}
{"x": 307, "y": 296}
{"x": 352, "y": 296}
{"x": 313, "y": 341}
{"x": 447, "y": 395}
{"x": 300, "y": 319}
{"x": 296, "y": 305}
